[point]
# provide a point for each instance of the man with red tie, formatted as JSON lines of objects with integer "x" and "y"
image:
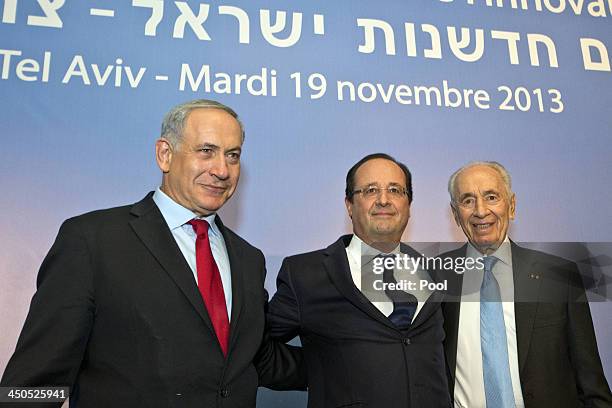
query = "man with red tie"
{"x": 158, "y": 304}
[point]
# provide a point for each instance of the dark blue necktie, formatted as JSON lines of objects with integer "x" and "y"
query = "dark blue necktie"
{"x": 404, "y": 304}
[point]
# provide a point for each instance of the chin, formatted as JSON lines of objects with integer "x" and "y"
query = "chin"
{"x": 212, "y": 204}
{"x": 488, "y": 245}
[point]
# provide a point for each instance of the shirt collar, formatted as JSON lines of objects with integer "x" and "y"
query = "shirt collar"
{"x": 503, "y": 253}
{"x": 357, "y": 248}
{"x": 176, "y": 215}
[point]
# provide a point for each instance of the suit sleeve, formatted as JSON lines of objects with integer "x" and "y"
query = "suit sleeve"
{"x": 280, "y": 366}
{"x": 52, "y": 343}
{"x": 593, "y": 389}
{"x": 284, "y": 311}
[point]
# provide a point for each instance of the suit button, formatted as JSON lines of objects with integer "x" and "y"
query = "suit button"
{"x": 406, "y": 341}
{"x": 224, "y": 392}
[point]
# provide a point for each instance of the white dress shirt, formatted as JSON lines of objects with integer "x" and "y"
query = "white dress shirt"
{"x": 469, "y": 382}
{"x": 354, "y": 254}
{"x": 177, "y": 216}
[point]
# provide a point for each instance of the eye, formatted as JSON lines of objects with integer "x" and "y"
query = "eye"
{"x": 233, "y": 157}
{"x": 371, "y": 191}
{"x": 468, "y": 202}
{"x": 395, "y": 190}
{"x": 205, "y": 150}
{"x": 492, "y": 198}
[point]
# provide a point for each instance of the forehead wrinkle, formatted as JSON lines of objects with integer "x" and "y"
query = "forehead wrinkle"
{"x": 377, "y": 184}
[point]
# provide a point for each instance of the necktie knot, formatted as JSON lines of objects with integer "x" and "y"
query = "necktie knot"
{"x": 488, "y": 262}
{"x": 387, "y": 272}
{"x": 200, "y": 227}
{"x": 489, "y": 290}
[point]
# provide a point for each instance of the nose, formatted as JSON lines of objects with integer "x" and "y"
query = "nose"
{"x": 481, "y": 210}
{"x": 382, "y": 199}
{"x": 219, "y": 168}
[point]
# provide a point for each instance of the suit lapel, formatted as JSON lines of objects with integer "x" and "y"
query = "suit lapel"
{"x": 451, "y": 329}
{"x": 150, "y": 227}
{"x": 432, "y": 303}
{"x": 429, "y": 307}
{"x": 451, "y": 309}
{"x": 337, "y": 266}
{"x": 237, "y": 270}
{"x": 526, "y": 289}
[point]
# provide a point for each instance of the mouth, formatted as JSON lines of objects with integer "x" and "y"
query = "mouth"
{"x": 482, "y": 227}
{"x": 382, "y": 214}
{"x": 214, "y": 190}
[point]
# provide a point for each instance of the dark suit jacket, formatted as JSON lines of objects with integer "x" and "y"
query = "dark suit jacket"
{"x": 354, "y": 355}
{"x": 118, "y": 317}
{"x": 559, "y": 363}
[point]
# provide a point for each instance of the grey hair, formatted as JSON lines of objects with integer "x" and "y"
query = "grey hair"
{"x": 174, "y": 121}
{"x": 505, "y": 176}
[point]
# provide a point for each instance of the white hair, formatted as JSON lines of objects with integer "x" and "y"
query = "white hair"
{"x": 505, "y": 176}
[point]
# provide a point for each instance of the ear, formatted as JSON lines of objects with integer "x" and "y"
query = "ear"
{"x": 349, "y": 207}
{"x": 163, "y": 154}
{"x": 512, "y": 206}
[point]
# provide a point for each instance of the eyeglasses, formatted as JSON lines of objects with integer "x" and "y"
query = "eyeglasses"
{"x": 469, "y": 203}
{"x": 375, "y": 191}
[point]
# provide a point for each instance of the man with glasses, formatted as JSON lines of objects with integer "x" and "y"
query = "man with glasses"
{"x": 365, "y": 344}
{"x": 520, "y": 333}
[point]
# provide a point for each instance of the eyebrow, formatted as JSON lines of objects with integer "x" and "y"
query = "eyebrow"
{"x": 484, "y": 193}
{"x": 215, "y": 147}
{"x": 207, "y": 146}
{"x": 374, "y": 183}
{"x": 466, "y": 195}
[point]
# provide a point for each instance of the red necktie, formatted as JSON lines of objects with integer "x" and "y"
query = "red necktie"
{"x": 210, "y": 285}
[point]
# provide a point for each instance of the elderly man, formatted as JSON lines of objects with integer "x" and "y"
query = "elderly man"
{"x": 520, "y": 333}
{"x": 158, "y": 304}
{"x": 363, "y": 350}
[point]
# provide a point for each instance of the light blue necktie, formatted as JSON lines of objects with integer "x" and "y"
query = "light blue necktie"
{"x": 495, "y": 366}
